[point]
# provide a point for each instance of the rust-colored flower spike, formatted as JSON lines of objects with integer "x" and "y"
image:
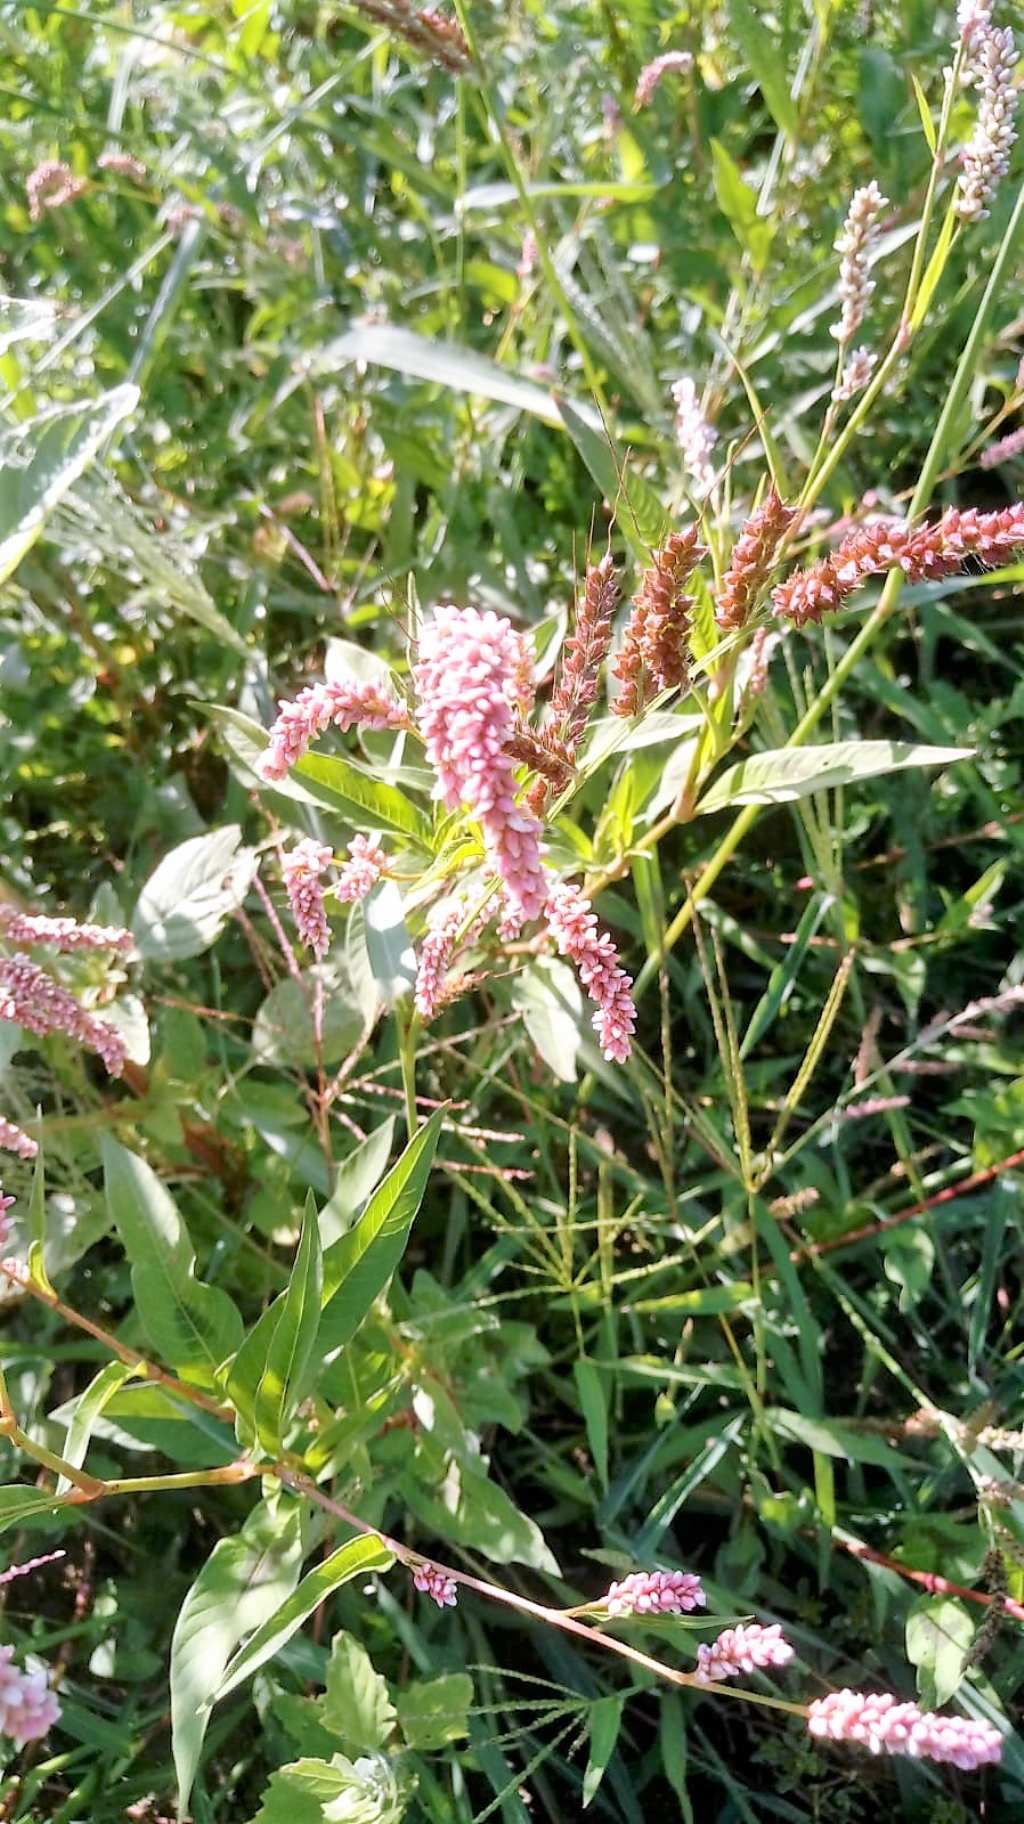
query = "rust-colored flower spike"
{"x": 655, "y": 649}
{"x": 576, "y": 690}
{"x": 923, "y": 553}
{"x": 752, "y": 558}
{"x": 426, "y": 29}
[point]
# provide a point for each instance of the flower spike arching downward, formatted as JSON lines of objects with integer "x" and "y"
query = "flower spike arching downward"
{"x": 342, "y": 705}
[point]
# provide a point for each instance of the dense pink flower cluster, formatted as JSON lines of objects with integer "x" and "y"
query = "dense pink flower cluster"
{"x": 15, "y": 1140}
{"x": 321, "y": 706}
{"x": 855, "y": 244}
{"x": 857, "y": 371}
{"x": 123, "y": 164}
{"x": 1003, "y": 450}
{"x": 302, "y": 868}
{"x": 436, "y": 1584}
{"x": 470, "y": 674}
{"x": 14, "y": 1571}
{"x": 364, "y": 867}
{"x": 5, "y": 1205}
{"x": 435, "y": 954}
{"x": 32, "y": 999}
{"x": 923, "y": 553}
{"x": 50, "y": 186}
{"x": 575, "y": 930}
{"x": 62, "y": 933}
{"x": 651, "y": 74}
{"x": 991, "y": 64}
{"x": 886, "y": 1726}
{"x": 694, "y": 435}
{"x": 655, "y": 1593}
{"x": 748, "y": 1648}
{"x": 751, "y": 561}
{"x": 28, "y": 1708}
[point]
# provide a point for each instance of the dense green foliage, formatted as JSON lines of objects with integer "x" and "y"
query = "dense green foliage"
{"x": 359, "y": 394}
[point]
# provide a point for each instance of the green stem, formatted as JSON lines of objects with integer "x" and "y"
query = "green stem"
{"x": 408, "y": 1027}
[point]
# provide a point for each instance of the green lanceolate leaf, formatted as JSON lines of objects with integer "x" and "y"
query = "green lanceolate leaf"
{"x": 19, "y": 1503}
{"x": 192, "y": 1326}
{"x": 447, "y": 363}
{"x": 37, "y": 1226}
{"x": 360, "y": 798}
{"x": 605, "y": 1718}
{"x": 761, "y": 50}
{"x": 356, "y": 1559}
{"x": 432, "y": 1711}
{"x": 356, "y": 1706}
{"x": 783, "y": 774}
{"x": 88, "y": 1408}
{"x": 269, "y": 1378}
{"x": 244, "y": 1581}
{"x": 359, "y": 1266}
{"x": 44, "y": 457}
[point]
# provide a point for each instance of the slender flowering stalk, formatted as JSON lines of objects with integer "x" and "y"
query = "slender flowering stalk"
{"x": 751, "y": 562}
{"x": 61, "y": 933}
{"x": 14, "y": 1571}
{"x": 884, "y": 1725}
{"x": 855, "y": 244}
{"x": 857, "y": 371}
{"x": 655, "y": 1593}
{"x": 28, "y": 1708}
{"x": 694, "y": 435}
{"x": 986, "y": 157}
{"x": 318, "y": 707}
{"x": 655, "y": 647}
{"x": 874, "y": 1105}
{"x": 302, "y": 868}
{"x": 15, "y": 1140}
{"x": 469, "y": 676}
{"x": 575, "y": 930}
{"x": 675, "y": 62}
{"x": 50, "y": 186}
{"x": 748, "y": 1648}
{"x": 363, "y": 869}
{"x": 123, "y": 164}
{"x": 32, "y": 999}
{"x": 575, "y": 692}
{"x": 1004, "y": 450}
{"x": 435, "y": 1584}
{"x": 923, "y": 553}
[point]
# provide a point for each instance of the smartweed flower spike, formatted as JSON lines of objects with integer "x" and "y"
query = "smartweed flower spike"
{"x": 61, "y": 933}
{"x": 444, "y": 925}
{"x": 751, "y": 562}
{"x": 469, "y": 675}
{"x": 1004, "y": 450}
{"x": 884, "y": 1725}
{"x": 50, "y": 186}
{"x": 32, "y": 999}
{"x": 652, "y": 73}
{"x": 574, "y": 928}
{"x": 858, "y": 369}
{"x": 302, "y": 868}
{"x": 123, "y": 164}
{"x": 923, "y": 553}
{"x": 973, "y": 16}
{"x": 694, "y": 435}
{"x": 749, "y": 1648}
{"x": 5, "y": 1205}
{"x": 316, "y": 708}
{"x": 986, "y": 157}
{"x": 655, "y": 1593}
{"x": 15, "y": 1140}
{"x": 28, "y": 1708}
{"x": 855, "y": 244}
{"x": 655, "y": 647}
{"x": 14, "y": 1571}
{"x": 576, "y": 690}
{"x": 427, "y": 30}
{"x": 436, "y": 1584}
{"x": 362, "y": 870}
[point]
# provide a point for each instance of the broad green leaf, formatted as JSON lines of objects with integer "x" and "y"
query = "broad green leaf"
{"x": 936, "y": 266}
{"x": 357, "y": 1175}
{"x": 285, "y": 1030}
{"x": 638, "y": 511}
{"x": 358, "y": 1267}
{"x": 245, "y": 741}
{"x": 446, "y": 363}
{"x": 939, "y": 1635}
{"x": 245, "y": 1579}
{"x": 761, "y": 48}
{"x": 927, "y": 123}
{"x": 37, "y": 1225}
{"x": 368, "y": 1790}
{"x": 186, "y": 900}
{"x": 43, "y": 457}
{"x": 193, "y": 1326}
{"x": 18, "y": 1504}
{"x": 548, "y": 996}
{"x": 475, "y": 1512}
{"x": 361, "y": 799}
{"x": 388, "y": 944}
{"x": 591, "y": 1388}
{"x": 291, "y": 1338}
{"x": 357, "y": 1558}
{"x": 605, "y": 1718}
{"x": 432, "y": 1712}
{"x": 88, "y": 1408}
{"x": 783, "y": 774}
{"x": 356, "y": 1706}
{"x": 739, "y": 206}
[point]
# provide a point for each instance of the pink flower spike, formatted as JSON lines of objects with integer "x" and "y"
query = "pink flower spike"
{"x": 343, "y": 704}
{"x": 436, "y": 1584}
{"x": 470, "y": 677}
{"x": 748, "y": 1648}
{"x": 363, "y": 869}
{"x": 5, "y": 1227}
{"x": 30, "y": 1564}
{"x": 655, "y": 1593}
{"x": 63, "y": 933}
{"x": 884, "y": 1725}
{"x": 574, "y": 928}
{"x": 15, "y": 1140}
{"x": 302, "y": 868}
{"x": 32, "y": 999}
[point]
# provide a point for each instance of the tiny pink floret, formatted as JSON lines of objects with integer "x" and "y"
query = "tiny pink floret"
{"x": 747, "y": 1648}
{"x": 884, "y": 1725}
{"x": 656, "y": 1593}
{"x": 436, "y": 1584}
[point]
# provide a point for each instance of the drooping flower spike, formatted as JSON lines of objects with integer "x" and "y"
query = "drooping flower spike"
{"x": 575, "y": 930}
{"x": 362, "y": 870}
{"x": 32, "y": 999}
{"x": 14, "y": 1139}
{"x": 343, "y": 705}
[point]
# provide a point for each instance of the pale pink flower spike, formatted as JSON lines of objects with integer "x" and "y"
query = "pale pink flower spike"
{"x": 28, "y": 1708}
{"x": 318, "y": 707}
{"x": 15, "y": 1140}
{"x": 575, "y": 930}
{"x": 32, "y": 999}
{"x": 362, "y": 870}
{"x": 747, "y": 1648}
{"x": 884, "y": 1725}
{"x": 302, "y": 868}
{"x": 656, "y": 1593}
